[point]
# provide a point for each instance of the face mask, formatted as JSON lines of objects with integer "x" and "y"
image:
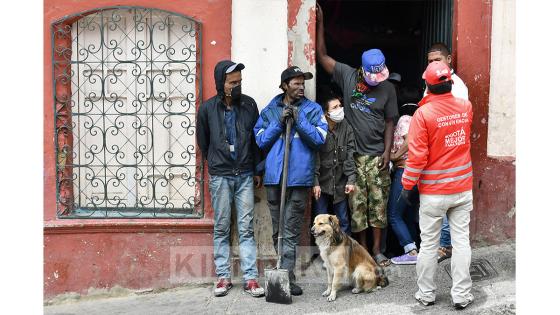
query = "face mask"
{"x": 337, "y": 115}
{"x": 369, "y": 81}
{"x": 236, "y": 93}
{"x": 441, "y": 88}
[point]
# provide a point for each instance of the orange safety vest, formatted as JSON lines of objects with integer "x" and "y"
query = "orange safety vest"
{"x": 439, "y": 158}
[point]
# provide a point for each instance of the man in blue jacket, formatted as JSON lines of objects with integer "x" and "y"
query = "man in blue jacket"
{"x": 225, "y": 138}
{"x": 307, "y": 135}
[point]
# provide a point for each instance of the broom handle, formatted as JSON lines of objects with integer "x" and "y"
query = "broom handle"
{"x": 283, "y": 189}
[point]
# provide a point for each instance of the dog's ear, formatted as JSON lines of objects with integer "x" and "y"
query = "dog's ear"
{"x": 333, "y": 221}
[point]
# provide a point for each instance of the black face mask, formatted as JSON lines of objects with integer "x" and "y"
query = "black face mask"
{"x": 236, "y": 93}
{"x": 441, "y": 88}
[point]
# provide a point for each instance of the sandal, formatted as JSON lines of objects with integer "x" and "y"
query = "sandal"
{"x": 381, "y": 260}
{"x": 444, "y": 253}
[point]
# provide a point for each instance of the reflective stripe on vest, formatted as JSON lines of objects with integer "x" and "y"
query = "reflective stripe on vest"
{"x": 410, "y": 178}
{"x": 445, "y": 180}
{"x": 445, "y": 171}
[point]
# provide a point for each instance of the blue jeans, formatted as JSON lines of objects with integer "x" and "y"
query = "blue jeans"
{"x": 340, "y": 209}
{"x": 401, "y": 216}
{"x": 445, "y": 238}
{"x": 223, "y": 191}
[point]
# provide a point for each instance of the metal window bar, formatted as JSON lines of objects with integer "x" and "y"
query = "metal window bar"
{"x": 126, "y": 85}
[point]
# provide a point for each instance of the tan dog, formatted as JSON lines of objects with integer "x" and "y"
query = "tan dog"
{"x": 345, "y": 259}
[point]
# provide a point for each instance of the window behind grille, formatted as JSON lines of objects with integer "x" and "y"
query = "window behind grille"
{"x": 134, "y": 79}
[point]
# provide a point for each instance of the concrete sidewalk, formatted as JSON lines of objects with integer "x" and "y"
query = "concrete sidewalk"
{"x": 493, "y": 273}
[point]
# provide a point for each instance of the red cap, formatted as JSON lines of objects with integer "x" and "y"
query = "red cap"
{"x": 436, "y": 72}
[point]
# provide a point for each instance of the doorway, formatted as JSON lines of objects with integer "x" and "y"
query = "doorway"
{"x": 403, "y": 30}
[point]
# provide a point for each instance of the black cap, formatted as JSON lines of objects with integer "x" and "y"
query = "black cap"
{"x": 292, "y": 72}
{"x": 235, "y": 67}
{"x": 395, "y": 77}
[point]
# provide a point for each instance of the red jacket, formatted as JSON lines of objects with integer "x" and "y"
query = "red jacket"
{"x": 439, "y": 158}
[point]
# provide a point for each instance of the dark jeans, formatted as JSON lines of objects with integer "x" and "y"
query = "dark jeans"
{"x": 445, "y": 239}
{"x": 401, "y": 216}
{"x": 296, "y": 198}
{"x": 325, "y": 203}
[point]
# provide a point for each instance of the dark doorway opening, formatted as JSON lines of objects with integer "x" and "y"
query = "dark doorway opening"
{"x": 402, "y": 29}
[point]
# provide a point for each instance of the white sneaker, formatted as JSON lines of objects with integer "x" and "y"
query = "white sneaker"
{"x": 468, "y": 300}
{"x": 423, "y": 301}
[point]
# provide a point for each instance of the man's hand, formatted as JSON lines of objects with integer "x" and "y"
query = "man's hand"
{"x": 405, "y": 195}
{"x": 295, "y": 113}
{"x": 411, "y": 197}
{"x": 322, "y": 57}
{"x": 319, "y": 16}
{"x": 349, "y": 189}
{"x": 257, "y": 180}
{"x": 316, "y": 192}
{"x": 287, "y": 113}
{"x": 384, "y": 160}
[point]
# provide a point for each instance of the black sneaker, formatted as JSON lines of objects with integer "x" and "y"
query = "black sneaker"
{"x": 295, "y": 289}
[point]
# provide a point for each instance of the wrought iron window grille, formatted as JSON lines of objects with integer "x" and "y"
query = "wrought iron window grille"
{"x": 126, "y": 85}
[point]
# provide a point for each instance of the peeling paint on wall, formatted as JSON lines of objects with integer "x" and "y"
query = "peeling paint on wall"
{"x": 294, "y": 6}
{"x": 301, "y": 39}
{"x": 290, "y": 53}
{"x": 309, "y": 48}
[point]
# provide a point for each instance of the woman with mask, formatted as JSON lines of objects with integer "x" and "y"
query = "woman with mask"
{"x": 335, "y": 171}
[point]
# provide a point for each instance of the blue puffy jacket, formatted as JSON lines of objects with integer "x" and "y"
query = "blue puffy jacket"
{"x": 308, "y": 134}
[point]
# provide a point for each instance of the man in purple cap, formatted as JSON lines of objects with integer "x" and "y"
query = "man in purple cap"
{"x": 370, "y": 106}
{"x": 223, "y": 134}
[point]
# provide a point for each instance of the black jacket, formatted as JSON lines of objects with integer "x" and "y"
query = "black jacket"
{"x": 211, "y": 134}
{"x": 334, "y": 162}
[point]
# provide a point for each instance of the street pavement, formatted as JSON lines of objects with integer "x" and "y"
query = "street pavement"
{"x": 493, "y": 273}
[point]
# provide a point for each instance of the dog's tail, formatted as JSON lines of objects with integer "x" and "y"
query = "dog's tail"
{"x": 382, "y": 279}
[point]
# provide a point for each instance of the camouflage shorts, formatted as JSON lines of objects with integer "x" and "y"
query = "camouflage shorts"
{"x": 368, "y": 203}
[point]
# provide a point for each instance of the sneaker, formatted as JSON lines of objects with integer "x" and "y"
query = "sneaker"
{"x": 406, "y": 259}
{"x": 252, "y": 287}
{"x": 423, "y": 301}
{"x": 465, "y": 303}
{"x": 222, "y": 287}
{"x": 295, "y": 289}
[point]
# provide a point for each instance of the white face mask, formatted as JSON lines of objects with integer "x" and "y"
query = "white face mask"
{"x": 337, "y": 115}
